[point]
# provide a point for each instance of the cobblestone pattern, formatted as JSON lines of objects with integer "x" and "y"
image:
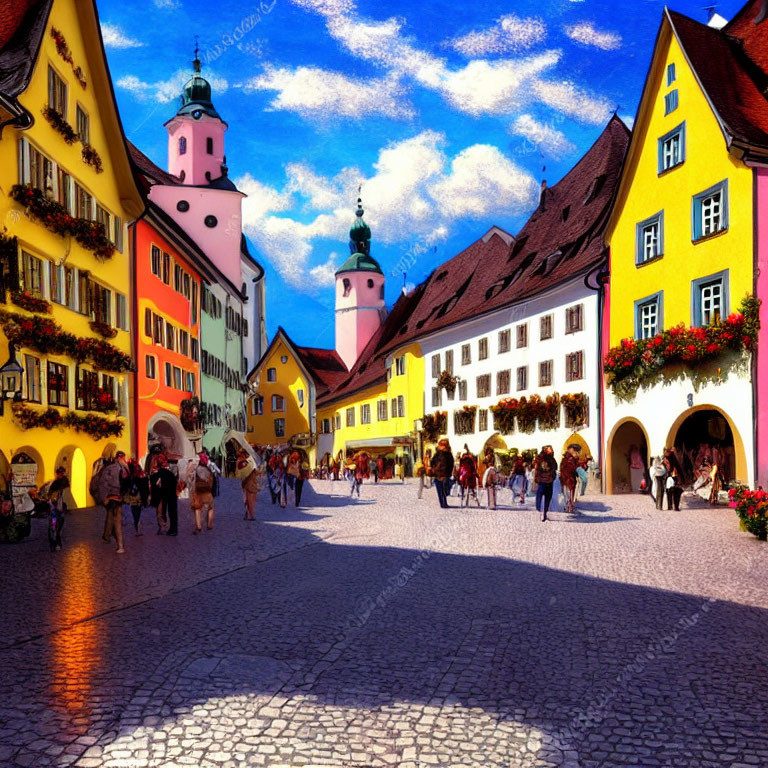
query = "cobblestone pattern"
{"x": 387, "y": 632}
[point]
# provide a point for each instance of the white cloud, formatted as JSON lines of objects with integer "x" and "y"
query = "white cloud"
{"x": 586, "y": 34}
{"x": 629, "y": 121}
{"x": 164, "y": 91}
{"x": 414, "y": 192}
{"x": 114, "y": 37}
{"x": 571, "y": 100}
{"x": 320, "y": 94}
{"x": 167, "y": 4}
{"x": 510, "y": 33}
{"x": 545, "y": 138}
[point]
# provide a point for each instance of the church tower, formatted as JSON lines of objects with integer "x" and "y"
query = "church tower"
{"x": 360, "y": 306}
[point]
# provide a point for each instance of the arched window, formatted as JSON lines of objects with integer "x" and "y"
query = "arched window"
{"x": 347, "y": 286}
{"x": 183, "y": 145}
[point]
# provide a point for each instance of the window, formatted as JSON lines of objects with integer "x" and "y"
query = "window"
{"x": 150, "y": 366}
{"x": 170, "y": 337}
{"x": 34, "y": 167}
{"x": 466, "y": 354}
{"x": 381, "y": 409}
{"x": 449, "y": 361}
{"x": 482, "y": 415}
{"x": 574, "y": 366}
{"x": 710, "y": 298}
{"x": 545, "y": 328}
{"x": 64, "y": 189}
{"x": 57, "y": 93}
{"x": 55, "y": 284}
{"x": 195, "y": 349}
{"x": 156, "y": 261}
{"x": 187, "y": 289}
{"x": 257, "y": 406}
{"x": 574, "y": 317}
{"x": 482, "y": 349}
{"x": 435, "y": 366}
{"x": 194, "y": 303}
{"x": 483, "y": 384}
{"x": 522, "y": 378}
{"x": 83, "y": 126}
{"x": 209, "y": 145}
{"x": 168, "y": 375}
{"x": 670, "y": 102}
{"x": 463, "y": 390}
{"x": 86, "y": 388}
{"x": 32, "y": 376}
{"x": 671, "y": 75}
{"x": 279, "y": 427}
{"x": 672, "y": 149}
{"x": 503, "y": 382}
{"x": 166, "y": 268}
{"x": 401, "y": 406}
{"x": 177, "y": 377}
{"x": 649, "y": 243}
{"x": 350, "y": 417}
{"x": 121, "y": 311}
{"x": 68, "y": 279}
{"x": 183, "y": 342}
{"x": 338, "y": 421}
{"x": 83, "y": 203}
{"x": 347, "y": 286}
{"x": 31, "y": 274}
{"x": 177, "y": 278}
{"x": 365, "y": 413}
{"x": 545, "y": 373}
{"x": 272, "y": 374}
{"x": 325, "y": 427}
{"x": 436, "y": 402}
{"x": 522, "y": 335}
{"x": 648, "y": 316}
{"x": 400, "y": 365}
{"x": 182, "y": 145}
{"x": 117, "y": 238}
{"x": 100, "y": 303}
{"x": 394, "y": 408}
{"x": 710, "y": 211}
{"x": 190, "y": 382}
{"x": 300, "y": 397}
{"x": 504, "y": 341}
{"x": 58, "y": 384}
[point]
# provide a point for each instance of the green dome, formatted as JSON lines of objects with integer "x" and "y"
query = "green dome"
{"x": 359, "y": 231}
{"x": 196, "y": 96}
{"x": 360, "y": 262}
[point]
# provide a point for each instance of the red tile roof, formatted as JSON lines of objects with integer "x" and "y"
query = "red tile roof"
{"x": 153, "y": 172}
{"x": 325, "y": 366}
{"x": 11, "y": 15}
{"x": 754, "y": 37}
{"x": 734, "y": 82}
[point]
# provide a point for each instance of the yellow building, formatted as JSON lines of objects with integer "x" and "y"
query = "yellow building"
{"x": 285, "y": 385}
{"x": 681, "y": 249}
{"x": 68, "y": 195}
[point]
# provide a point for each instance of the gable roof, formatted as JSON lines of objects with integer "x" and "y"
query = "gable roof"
{"x": 733, "y": 82}
{"x": 22, "y": 25}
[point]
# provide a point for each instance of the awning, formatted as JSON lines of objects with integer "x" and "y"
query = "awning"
{"x": 380, "y": 442}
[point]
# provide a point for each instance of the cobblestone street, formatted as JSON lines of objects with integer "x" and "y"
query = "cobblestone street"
{"x": 387, "y": 632}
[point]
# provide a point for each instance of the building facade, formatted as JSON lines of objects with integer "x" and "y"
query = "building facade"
{"x": 683, "y": 254}
{"x": 66, "y": 293}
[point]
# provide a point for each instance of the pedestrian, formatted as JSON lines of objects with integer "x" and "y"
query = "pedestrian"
{"x": 674, "y": 481}
{"x": 399, "y": 469}
{"x": 136, "y": 492}
{"x": 165, "y": 496}
{"x": 582, "y": 473}
{"x": 545, "y": 469}
{"x": 569, "y": 464}
{"x": 250, "y": 480}
{"x": 428, "y": 468}
{"x": 490, "y": 479}
{"x": 658, "y": 473}
{"x": 296, "y": 476}
{"x": 519, "y": 481}
{"x": 58, "y": 507}
{"x": 110, "y": 495}
{"x": 442, "y": 470}
{"x": 421, "y": 473}
{"x": 201, "y": 482}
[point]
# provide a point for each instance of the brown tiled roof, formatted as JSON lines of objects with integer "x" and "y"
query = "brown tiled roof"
{"x": 325, "y": 365}
{"x": 561, "y": 239}
{"x": 22, "y": 25}
{"x": 753, "y": 37}
{"x": 149, "y": 169}
{"x": 733, "y": 82}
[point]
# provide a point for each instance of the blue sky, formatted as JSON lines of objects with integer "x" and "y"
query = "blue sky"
{"x": 445, "y": 113}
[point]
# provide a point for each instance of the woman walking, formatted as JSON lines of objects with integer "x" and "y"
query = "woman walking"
{"x": 545, "y": 470}
{"x": 569, "y": 465}
{"x": 674, "y": 480}
{"x": 442, "y": 470}
{"x": 136, "y": 492}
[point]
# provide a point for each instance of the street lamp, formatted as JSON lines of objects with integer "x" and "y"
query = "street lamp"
{"x": 10, "y": 379}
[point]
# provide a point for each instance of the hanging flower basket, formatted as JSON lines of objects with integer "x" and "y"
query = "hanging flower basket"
{"x": 447, "y": 381}
{"x": 29, "y": 302}
{"x": 91, "y": 157}
{"x": 55, "y": 217}
{"x": 60, "y": 125}
{"x": 105, "y": 330}
{"x": 576, "y": 410}
{"x": 504, "y": 413}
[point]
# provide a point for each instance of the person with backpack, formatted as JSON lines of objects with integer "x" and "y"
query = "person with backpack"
{"x": 201, "y": 485}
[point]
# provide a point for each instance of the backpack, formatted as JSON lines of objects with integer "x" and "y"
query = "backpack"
{"x": 203, "y": 479}
{"x": 93, "y": 487}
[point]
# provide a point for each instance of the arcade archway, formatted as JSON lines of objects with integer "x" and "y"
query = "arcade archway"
{"x": 579, "y": 440}
{"x": 165, "y": 430}
{"x": 496, "y": 442}
{"x": 72, "y": 459}
{"x": 627, "y": 434}
{"x": 705, "y": 433}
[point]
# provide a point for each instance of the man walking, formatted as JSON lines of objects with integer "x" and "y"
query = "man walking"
{"x": 442, "y": 470}
{"x": 110, "y": 495}
{"x": 165, "y": 492}
{"x": 202, "y": 493}
{"x": 546, "y": 470}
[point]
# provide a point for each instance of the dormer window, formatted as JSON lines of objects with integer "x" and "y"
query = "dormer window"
{"x": 209, "y": 145}
{"x": 347, "y": 286}
{"x": 183, "y": 145}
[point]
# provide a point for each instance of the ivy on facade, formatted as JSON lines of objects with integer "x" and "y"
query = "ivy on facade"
{"x": 702, "y": 354}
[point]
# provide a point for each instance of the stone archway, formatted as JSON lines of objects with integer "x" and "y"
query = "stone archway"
{"x": 165, "y": 429}
{"x": 72, "y": 459}
{"x": 625, "y": 434}
{"x": 27, "y": 453}
{"x": 709, "y": 425}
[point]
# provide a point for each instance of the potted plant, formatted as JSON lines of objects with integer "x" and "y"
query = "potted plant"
{"x": 751, "y": 507}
